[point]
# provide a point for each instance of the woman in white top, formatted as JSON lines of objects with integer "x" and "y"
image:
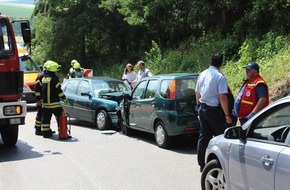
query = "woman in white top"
{"x": 129, "y": 74}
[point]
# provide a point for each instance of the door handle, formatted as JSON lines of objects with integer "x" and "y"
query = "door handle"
{"x": 267, "y": 161}
{"x": 137, "y": 105}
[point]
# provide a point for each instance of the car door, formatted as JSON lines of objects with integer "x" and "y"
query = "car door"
{"x": 253, "y": 162}
{"x": 83, "y": 101}
{"x": 134, "y": 109}
{"x": 146, "y": 106}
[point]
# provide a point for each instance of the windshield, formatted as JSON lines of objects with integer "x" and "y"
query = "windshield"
{"x": 6, "y": 45}
{"x": 102, "y": 87}
{"x": 28, "y": 65}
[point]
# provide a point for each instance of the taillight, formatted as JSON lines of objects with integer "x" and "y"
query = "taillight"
{"x": 172, "y": 90}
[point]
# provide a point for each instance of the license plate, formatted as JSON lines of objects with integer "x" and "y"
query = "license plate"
{"x": 14, "y": 121}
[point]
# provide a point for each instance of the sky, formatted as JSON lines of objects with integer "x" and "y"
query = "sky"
{"x": 18, "y": 1}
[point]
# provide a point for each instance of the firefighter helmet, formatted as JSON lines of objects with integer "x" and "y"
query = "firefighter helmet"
{"x": 73, "y": 62}
{"x": 77, "y": 65}
{"x": 53, "y": 66}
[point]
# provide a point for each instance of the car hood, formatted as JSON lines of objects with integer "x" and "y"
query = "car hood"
{"x": 114, "y": 96}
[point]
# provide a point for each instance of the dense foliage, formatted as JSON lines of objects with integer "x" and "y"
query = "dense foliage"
{"x": 171, "y": 36}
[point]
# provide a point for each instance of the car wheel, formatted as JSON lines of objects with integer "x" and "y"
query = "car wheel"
{"x": 9, "y": 135}
{"x": 161, "y": 136}
{"x": 212, "y": 176}
{"x": 102, "y": 120}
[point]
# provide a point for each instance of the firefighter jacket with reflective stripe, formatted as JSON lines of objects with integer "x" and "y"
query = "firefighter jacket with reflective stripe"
{"x": 51, "y": 91}
{"x": 248, "y": 100}
{"x": 38, "y": 86}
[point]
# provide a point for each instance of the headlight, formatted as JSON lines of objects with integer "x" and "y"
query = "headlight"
{"x": 12, "y": 110}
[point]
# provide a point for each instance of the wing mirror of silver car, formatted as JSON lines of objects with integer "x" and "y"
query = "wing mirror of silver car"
{"x": 235, "y": 132}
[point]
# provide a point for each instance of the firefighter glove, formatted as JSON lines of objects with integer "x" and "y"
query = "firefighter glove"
{"x": 65, "y": 101}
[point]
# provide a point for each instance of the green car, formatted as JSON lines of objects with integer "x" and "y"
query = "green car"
{"x": 164, "y": 105}
{"x": 95, "y": 100}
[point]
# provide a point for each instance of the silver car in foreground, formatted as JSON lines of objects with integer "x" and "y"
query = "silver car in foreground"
{"x": 253, "y": 156}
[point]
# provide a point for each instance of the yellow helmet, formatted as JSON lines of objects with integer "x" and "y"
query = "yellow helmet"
{"x": 77, "y": 65}
{"x": 45, "y": 65}
{"x": 52, "y": 66}
{"x": 73, "y": 62}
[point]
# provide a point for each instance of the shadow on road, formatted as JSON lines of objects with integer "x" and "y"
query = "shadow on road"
{"x": 20, "y": 152}
{"x": 185, "y": 144}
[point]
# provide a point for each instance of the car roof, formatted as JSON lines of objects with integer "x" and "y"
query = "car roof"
{"x": 174, "y": 76}
{"x": 96, "y": 78}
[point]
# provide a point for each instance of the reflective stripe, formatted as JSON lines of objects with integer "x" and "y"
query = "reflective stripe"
{"x": 47, "y": 81}
{"x": 57, "y": 85}
{"x": 37, "y": 123}
{"x": 247, "y": 102}
{"x": 37, "y": 93}
{"x": 51, "y": 105}
{"x": 61, "y": 94}
{"x": 45, "y": 127}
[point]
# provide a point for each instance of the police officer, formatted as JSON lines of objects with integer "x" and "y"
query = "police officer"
{"x": 51, "y": 95}
{"x": 211, "y": 96}
{"x": 78, "y": 72}
{"x": 253, "y": 95}
{"x": 38, "y": 96}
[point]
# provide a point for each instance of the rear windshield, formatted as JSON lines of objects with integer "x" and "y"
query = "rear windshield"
{"x": 178, "y": 88}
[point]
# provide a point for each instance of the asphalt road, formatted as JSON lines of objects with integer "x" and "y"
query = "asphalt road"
{"x": 96, "y": 160}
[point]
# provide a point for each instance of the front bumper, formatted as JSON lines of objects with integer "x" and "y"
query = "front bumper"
{"x": 13, "y": 119}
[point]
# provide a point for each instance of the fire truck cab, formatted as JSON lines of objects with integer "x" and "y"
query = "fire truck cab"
{"x": 12, "y": 109}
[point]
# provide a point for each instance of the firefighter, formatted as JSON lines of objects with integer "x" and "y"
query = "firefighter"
{"x": 78, "y": 72}
{"x": 38, "y": 90}
{"x": 51, "y": 95}
{"x": 72, "y": 68}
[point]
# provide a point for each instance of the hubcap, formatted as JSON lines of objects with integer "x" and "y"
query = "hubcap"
{"x": 160, "y": 136}
{"x": 101, "y": 119}
{"x": 215, "y": 179}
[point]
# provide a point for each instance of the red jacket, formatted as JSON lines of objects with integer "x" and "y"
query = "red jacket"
{"x": 248, "y": 100}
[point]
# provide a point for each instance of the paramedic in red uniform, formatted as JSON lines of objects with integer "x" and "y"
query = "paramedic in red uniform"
{"x": 253, "y": 95}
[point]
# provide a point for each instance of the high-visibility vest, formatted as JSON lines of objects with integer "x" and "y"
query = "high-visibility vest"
{"x": 248, "y": 100}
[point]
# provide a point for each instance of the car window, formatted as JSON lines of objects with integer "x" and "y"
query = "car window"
{"x": 139, "y": 90}
{"x": 151, "y": 89}
{"x": 164, "y": 88}
{"x": 28, "y": 65}
{"x": 178, "y": 89}
{"x": 84, "y": 86}
{"x": 273, "y": 126}
{"x": 71, "y": 87}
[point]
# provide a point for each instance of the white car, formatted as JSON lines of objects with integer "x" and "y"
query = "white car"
{"x": 253, "y": 156}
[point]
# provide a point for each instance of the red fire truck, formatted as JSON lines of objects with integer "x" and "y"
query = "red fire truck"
{"x": 12, "y": 109}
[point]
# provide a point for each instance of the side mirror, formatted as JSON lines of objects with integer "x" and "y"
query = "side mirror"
{"x": 235, "y": 132}
{"x": 26, "y": 32}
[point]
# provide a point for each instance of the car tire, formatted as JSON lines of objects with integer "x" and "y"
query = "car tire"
{"x": 102, "y": 120}
{"x": 212, "y": 176}
{"x": 161, "y": 137}
{"x": 9, "y": 135}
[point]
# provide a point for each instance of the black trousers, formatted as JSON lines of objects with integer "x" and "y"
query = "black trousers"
{"x": 47, "y": 113}
{"x": 38, "y": 118}
{"x": 212, "y": 123}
